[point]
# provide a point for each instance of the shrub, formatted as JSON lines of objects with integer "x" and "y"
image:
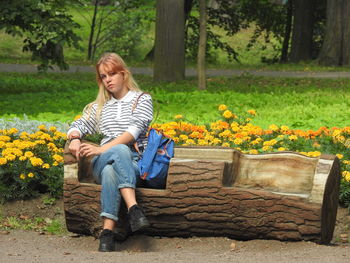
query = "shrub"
{"x": 31, "y": 163}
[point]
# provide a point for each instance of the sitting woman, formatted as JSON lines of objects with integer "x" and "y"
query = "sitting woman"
{"x": 122, "y": 114}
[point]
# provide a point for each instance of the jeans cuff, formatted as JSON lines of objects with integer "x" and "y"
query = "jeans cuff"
{"x": 109, "y": 216}
{"x": 126, "y": 185}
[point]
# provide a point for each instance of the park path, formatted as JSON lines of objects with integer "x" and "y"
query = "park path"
{"x": 191, "y": 72}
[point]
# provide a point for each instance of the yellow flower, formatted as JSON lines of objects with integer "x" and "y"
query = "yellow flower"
{"x": 22, "y": 158}
{"x": 252, "y": 112}
{"x": 45, "y": 166}
{"x": 227, "y": 114}
{"x": 22, "y": 176}
{"x": 225, "y": 144}
{"x": 28, "y": 154}
{"x": 340, "y": 156}
{"x": 266, "y": 148}
{"x": 222, "y": 107}
{"x": 273, "y": 127}
{"x": 190, "y": 142}
{"x": 346, "y": 175}
{"x": 183, "y": 137}
{"x": 284, "y": 128}
{"x": 314, "y": 154}
{"x": 238, "y": 141}
{"x": 53, "y": 129}
{"x": 281, "y": 149}
{"x": 10, "y": 157}
{"x": 58, "y": 158}
{"x": 12, "y": 131}
{"x": 36, "y": 161}
{"x": 55, "y": 163}
{"x": 202, "y": 142}
{"x": 293, "y": 137}
{"x": 346, "y": 162}
{"x": 179, "y": 116}
{"x": 30, "y": 175}
{"x": 42, "y": 128}
{"x": 3, "y": 161}
{"x": 253, "y": 151}
{"x": 77, "y": 117}
{"x": 5, "y": 138}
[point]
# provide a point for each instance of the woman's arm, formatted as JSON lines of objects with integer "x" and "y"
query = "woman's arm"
{"x": 91, "y": 150}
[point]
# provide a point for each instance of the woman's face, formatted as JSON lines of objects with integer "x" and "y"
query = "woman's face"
{"x": 113, "y": 81}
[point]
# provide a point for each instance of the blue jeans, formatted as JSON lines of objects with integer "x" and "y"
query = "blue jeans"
{"x": 114, "y": 169}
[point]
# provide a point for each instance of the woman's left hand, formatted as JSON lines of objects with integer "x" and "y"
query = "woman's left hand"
{"x": 88, "y": 150}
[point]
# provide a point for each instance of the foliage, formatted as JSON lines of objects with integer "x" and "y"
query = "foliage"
{"x": 118, "y": 28}
{"x": 226, "y": 17}
{"x": 46, "y": 28}
{"x": 31, "y": 163}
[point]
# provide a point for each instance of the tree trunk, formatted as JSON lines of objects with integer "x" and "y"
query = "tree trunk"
{"x": 221, "y": 192}
{"x": 92, "y": 31}
{"x": 301, "y": 48}
{"x": 335, "y": 50}
{"x": 170, "y": 41}
{"x": 287, "y": 31}
{"x": 202, "y": 45}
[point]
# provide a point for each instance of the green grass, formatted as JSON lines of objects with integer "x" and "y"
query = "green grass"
{"x": 298, "y": 103}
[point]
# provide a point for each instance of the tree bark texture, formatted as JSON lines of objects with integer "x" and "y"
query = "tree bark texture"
{"x": 287, "y": 32}
{"x": 335, "y": 50}
{"x": 202, "y": 45}
{"x": 221, "y": 192}
{"x": 169, "y": 59}
{"x": 301, "y": 47}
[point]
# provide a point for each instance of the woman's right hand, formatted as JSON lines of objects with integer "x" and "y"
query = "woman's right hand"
{"x": 74, "y": 148}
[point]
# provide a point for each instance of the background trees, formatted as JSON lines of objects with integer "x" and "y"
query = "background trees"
{"x": 45, "y": 26}
{"x": 336, "y": 49}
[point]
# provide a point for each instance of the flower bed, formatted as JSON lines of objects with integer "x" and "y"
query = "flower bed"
{"x": 32, "y": 163}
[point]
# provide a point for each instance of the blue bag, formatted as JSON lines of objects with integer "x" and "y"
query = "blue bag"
{"x": 154, "y": 163}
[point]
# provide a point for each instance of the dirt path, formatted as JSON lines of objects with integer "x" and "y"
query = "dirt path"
{"x": 35, "y": 247}
{"x": 22, "y": 246}
{"x": 191, "y": 72}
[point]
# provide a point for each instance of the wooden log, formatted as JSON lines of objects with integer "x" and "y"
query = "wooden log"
{"x": 222, "y": 192}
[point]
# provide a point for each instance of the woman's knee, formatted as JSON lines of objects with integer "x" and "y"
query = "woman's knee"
{"x": 108, "y": 175}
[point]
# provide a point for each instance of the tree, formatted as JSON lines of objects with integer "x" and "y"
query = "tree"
{"x": 202, "y": 45}
{"x": 302, "y": 36}
{"x": 45, "y": 26}
{"x": 336, "y": 49}
{"x": 169, "y": 64}
{"x": 115, "y": 28}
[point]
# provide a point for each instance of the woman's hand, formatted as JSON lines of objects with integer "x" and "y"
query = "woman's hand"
{"x": 88, "y": 150}
{"x": 74, "y": 148}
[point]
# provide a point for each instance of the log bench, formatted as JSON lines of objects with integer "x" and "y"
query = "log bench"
{"x": 222, "y": 192}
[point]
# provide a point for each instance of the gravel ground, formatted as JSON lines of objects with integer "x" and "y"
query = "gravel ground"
{"x": 32, "y": 247}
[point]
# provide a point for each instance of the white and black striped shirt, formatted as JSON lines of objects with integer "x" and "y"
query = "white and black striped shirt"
{"x": 117, "y": 117}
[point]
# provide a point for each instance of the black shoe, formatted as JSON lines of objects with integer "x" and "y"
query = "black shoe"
{"x": 137, "y": 219}
{"x": 106, "y": 241}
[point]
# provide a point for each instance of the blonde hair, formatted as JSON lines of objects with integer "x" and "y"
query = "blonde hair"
{"x": 112, "y": 62}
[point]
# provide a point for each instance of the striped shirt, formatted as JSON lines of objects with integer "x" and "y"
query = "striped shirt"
{"x": 117, "y": 117}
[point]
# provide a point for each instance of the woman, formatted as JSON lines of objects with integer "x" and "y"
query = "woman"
{"x": 122, "y": 114}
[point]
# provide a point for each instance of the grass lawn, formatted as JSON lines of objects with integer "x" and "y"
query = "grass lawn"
{"x": 298, "y": 103}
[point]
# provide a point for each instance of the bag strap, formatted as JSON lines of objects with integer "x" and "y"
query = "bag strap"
{"x": 136, "y": 147}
